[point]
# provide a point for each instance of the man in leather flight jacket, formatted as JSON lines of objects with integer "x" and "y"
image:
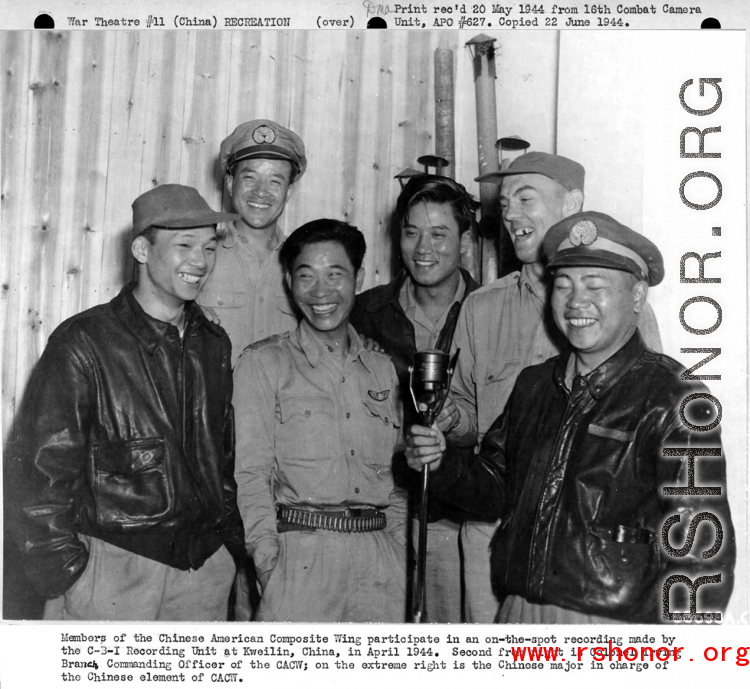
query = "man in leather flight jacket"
{"x": 119, "y": 475}
{"x": 418, "y": 310}
{"x": 576, "y": 466}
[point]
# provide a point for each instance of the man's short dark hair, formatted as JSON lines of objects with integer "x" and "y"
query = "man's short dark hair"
{"x": 324, "y": 230}
{"x": 435, "y": 189}
{"x": 150, "y": 234}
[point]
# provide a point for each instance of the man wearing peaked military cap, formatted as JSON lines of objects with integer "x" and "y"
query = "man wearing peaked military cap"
{"x": 263, "y": 139}
{"x": 119, "y": 475}
{"x": 260, "y": 161}
{"x": 505, "y": 326}
{"x": 596, "y": 239}
{"x": 574, "y": 467}
{"x": 603, "y": 269}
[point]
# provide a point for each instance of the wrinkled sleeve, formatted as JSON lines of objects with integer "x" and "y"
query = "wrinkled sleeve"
{"x": 475, "y": 482}
{"x": 680, "y": 511}
{"x": 234, "y": 537}
{"x": 462, "y": 384}
{"x": 397, "y": 510}
{"x": 255, "y": 418}
{"x": 45, "y": 469}
{"x": 396, "y": 515}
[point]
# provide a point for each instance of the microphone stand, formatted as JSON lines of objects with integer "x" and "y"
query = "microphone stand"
{"x": 437, "y": 382}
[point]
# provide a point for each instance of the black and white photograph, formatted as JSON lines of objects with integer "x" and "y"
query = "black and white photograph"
{"x": 322, "y": 347}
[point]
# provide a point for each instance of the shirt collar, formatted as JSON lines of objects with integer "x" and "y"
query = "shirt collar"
{"x": 391, "y": 291}
{"x": 525, "y": 284}
{"x": 313, "y": 348}
{"x": 606, "y": 375}
{"x": 389, "y": 294}
{"x": 150, "y": 331}
{"x": 229, "y": 236}
{"x": 408, "y": 300}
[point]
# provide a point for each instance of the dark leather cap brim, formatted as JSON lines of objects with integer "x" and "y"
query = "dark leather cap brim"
{"x": 578, "y": 257}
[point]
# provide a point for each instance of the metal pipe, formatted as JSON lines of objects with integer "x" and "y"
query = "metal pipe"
{"x": 483, "y": 50}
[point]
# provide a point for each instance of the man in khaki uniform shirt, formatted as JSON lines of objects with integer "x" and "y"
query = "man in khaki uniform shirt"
{"x": 262, "y": 160}
{"x": 318, "y": 420}
{"x": 507, "y": 325}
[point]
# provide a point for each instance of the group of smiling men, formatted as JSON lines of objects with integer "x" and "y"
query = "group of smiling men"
{"x": 156, "y": 452}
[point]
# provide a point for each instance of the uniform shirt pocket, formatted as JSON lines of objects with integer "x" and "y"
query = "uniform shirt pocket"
{"x": 308, "y": 450}
{"x": 383, "y": 411}
{"x": 381, "y": 432}
{"x": 499, "y": 379}
{"x": 308, "y": 428}
{"x": 502, "y": 371}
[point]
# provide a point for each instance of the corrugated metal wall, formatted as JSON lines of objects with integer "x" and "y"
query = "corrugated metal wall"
{"x": 91, "y": 120}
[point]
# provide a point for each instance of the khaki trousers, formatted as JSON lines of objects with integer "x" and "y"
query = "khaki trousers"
{"x": 325, "y": 576}
{"x": 120, "y": 585}
{"x": 480, "y": 605}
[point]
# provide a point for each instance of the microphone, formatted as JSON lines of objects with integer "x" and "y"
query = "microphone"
{"x": 429, "y": 383}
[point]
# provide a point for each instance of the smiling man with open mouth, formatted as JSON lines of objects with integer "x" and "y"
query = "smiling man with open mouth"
{"x": 261, "y": 162}
{"x": 318, "y": 420}
{"x": 416, "y": 311}
{"x": 122, "y": 466}
{"x": 580, "y": 465}
{"x": 505, "y": 326}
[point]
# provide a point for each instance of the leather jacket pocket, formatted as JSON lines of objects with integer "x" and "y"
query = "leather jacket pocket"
{"x": 622, "y": 567}
{"x": 131, "y": 483}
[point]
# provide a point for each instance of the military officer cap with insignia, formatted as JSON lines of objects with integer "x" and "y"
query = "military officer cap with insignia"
{"x": 595, "y": 239}
{"x": 263, "y": 139}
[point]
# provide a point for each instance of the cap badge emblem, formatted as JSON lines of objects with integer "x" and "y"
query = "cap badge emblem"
{"x": 583, "y": 232}
{"x": 264, "y": 135}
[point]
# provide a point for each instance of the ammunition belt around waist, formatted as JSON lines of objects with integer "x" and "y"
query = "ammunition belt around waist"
{"x": 348, "y": 520}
